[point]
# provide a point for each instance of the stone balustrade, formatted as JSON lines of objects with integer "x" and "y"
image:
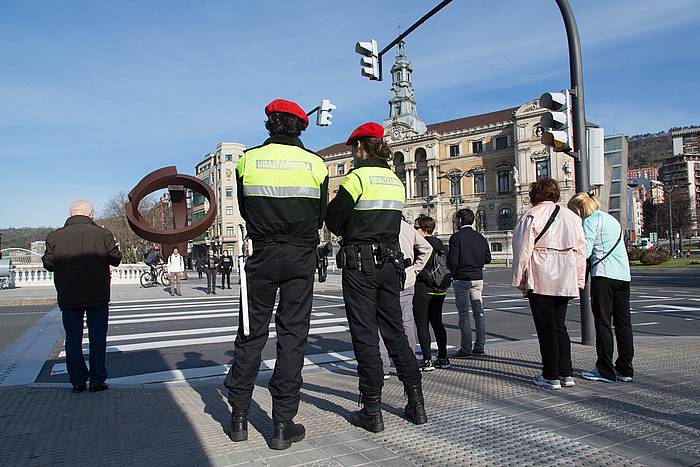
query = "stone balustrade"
{"x": 37, "y": 276}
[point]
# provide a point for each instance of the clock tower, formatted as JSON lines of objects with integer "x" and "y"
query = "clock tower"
{"x": 403, "y": 120}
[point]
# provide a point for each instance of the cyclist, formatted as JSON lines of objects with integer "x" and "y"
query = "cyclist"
{"x": 153, "y": 258}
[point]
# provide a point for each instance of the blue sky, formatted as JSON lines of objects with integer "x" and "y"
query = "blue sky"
{"x": 95, "y": 94}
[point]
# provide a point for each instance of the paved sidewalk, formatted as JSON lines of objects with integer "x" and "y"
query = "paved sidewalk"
{"x": 482, "y": 412}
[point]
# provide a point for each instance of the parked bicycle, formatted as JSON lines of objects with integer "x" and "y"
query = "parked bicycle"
{"x": 156, "y": 276}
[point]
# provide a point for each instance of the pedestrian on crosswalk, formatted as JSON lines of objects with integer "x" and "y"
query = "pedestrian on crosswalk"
{"x": 282, "y": 195}
{"x": 211, "y": 266}
{"x": 176, "y": 267}
{"x": 80, "y": 254}
{"x": 366, "y": 212}
{"x": 226, "y": 267}
{"x": 610, "y": 290}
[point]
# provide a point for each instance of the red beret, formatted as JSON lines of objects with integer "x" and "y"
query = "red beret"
{"x": 372, "y": 129}
{"x": 287, "y": 107}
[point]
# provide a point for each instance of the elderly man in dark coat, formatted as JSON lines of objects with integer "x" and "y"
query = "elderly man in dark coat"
{"x": 80, "y": 254}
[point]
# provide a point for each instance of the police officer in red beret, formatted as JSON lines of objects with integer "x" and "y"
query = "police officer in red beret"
{"x": 366, "y": 213}
{"x": 282, "y": 195}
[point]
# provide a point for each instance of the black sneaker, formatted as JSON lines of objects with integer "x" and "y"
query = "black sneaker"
{"x": 427, "y": 365}
{"x": 478, "y": 352}
{"x": 79, "y": 389}
{"x": 461, "y": 353}
{"x": 442, "y": 363}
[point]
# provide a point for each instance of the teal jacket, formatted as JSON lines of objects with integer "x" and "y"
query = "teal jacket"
{"x": 602, "y": 231}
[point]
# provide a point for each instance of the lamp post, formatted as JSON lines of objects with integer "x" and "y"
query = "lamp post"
{"x": 429, "y": 201}
{"x": 455, "y": 177}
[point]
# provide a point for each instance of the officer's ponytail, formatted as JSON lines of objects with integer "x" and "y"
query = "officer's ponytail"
{"x": 376, "y": 148}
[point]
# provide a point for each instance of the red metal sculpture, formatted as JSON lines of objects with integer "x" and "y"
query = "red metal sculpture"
{"x": 176, "y": 183}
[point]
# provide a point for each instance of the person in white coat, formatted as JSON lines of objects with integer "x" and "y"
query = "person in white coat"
{"x": 176, "y": 267}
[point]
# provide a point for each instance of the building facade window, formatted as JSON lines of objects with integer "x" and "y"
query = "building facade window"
{"x": 542, "y": 169}
{"x": 229, "y": 192}
{"x": 229, "y": 210}
{"x": 496, "y": 246}
{"x": 501, "y": 142}
{"x": 197, "y": 200}
{"x": 504, "y": 181}
{"x": 480, "y": 220}
{"x": 506, "y": 220}
{"x": 229, "y": 157}
{"x": 477, "y": 147}
{"x": 340, "y": 169}
{"x": 229, "y": 231}
{"x": 454, "y": 150}
{"x": 479, "y": 183}
{"x": 423, "y": 189}
{"x": 456, "y": 188}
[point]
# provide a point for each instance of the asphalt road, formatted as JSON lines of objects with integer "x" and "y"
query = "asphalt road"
{"x": 167, "y": 339}
{"x": 15, "y": 320}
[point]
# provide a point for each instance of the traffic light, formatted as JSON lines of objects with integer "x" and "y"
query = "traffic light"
{"x": 324, "y": 115}
{"x": 556, "y": 123}
{"x": 370, "y": 58}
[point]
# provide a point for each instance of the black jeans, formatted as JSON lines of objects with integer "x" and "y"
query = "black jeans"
{"x": 97, "y": 317}
{"x": 427, "y": 310}
{"x": 610, "y": 301}
{"x": 226, "y": 278}
{"x": 211, "y": 279}
{"x": 372, "y": 306}
{"x": 289, "y": 268}
{"x": 549, "y": 314}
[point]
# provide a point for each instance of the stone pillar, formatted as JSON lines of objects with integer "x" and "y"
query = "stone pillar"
{"x": 431, "y": 188}
{"x": 409, "y": 184}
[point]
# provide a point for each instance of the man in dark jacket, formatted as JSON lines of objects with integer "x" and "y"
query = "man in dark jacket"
{"x": 80, "y": 254}
{"x": 468, "y": 253}
{"x": 211, "y": 265}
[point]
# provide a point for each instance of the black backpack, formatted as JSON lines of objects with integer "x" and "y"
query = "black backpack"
{"x": 436, "y": 274}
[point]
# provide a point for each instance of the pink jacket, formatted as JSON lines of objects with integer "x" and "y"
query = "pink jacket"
{"x": 557, "y": 265}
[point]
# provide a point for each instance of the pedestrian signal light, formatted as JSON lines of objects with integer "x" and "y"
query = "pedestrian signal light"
{"x": 556, "y": 122}
{"x": 324, "y": 115}
{"x": 370, "y": 59}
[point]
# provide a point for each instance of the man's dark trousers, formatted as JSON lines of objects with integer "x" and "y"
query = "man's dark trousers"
{"x": 211, "y": 279}
{"x": 97, "y": 317}
{"x": 610, "y": 303}
{"x": 371, "y": 304}
{"x": 289, "y": 268}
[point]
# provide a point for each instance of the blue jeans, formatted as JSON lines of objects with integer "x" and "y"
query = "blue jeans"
{"x": 469, "y": 292}
{"x": 97, "y": 317}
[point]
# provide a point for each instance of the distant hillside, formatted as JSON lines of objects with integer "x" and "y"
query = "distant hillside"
{"x": 21, "y": 237}
{"x": 648, "y": 149}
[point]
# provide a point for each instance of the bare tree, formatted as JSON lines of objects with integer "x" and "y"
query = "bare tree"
{"x": 113, "y": 217}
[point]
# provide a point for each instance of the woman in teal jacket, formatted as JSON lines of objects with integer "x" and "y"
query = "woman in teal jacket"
{"x": 610, "y": 289}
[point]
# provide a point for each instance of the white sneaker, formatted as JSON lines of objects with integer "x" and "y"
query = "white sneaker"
{"x": 540, "y": 380}
{"x": 567, "y": 381}
{"x": 387, "y": 376}
{"x": 624, "y": 379}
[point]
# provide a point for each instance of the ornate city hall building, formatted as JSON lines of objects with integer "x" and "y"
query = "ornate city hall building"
{"x": 483, "y": 162}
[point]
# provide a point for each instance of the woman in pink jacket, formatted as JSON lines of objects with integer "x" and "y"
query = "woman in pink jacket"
{"x": 549, "y": 267}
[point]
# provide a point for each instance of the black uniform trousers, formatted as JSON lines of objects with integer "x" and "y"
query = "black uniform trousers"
{"x": 225, "y": 278}
{"x": 610, "y": 302}
{"x": 371, "y": 304}
{"x": 549, "y": 314}
{"x": 289, "y": 268}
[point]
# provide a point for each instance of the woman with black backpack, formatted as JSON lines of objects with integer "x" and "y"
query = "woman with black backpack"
{"x": 429, "y": 296}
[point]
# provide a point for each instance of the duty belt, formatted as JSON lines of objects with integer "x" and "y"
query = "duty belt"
{"x": 368, "y": 257}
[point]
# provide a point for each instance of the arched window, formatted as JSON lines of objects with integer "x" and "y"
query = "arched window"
{"x": 400, "y": 166}
{"x": 506, "y": 220}
{"x": 421, "y": 173}
{"x": 481, "y": 220}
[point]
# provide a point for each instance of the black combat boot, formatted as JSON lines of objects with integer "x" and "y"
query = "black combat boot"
{"x": 238, "y": 430}
{"x": 370, "y": 417}
{"x": 415, "y": 409}
{"x": 287, "y": 433}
